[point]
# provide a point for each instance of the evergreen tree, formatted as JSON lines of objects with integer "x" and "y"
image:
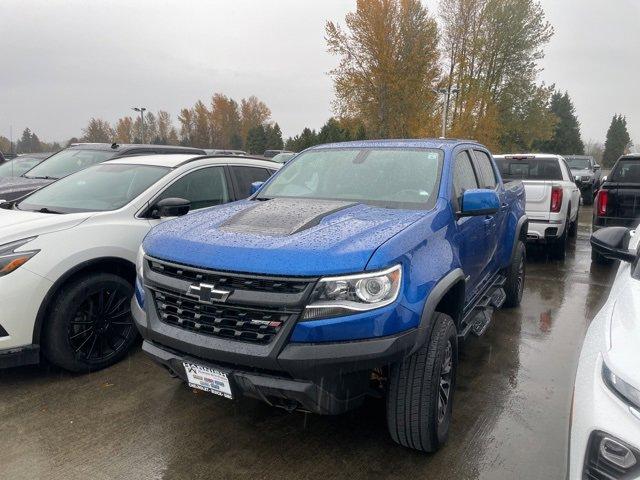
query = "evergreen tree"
{"x": 332, "y": 132}
{"x": 566, "y": 135}
{"x": 29, "y": 142}
{"x": 308, "y": 138}
{"x": 274, "y": 137}
{"x": 256, "y": 140}
{"x": 617, "y": 142}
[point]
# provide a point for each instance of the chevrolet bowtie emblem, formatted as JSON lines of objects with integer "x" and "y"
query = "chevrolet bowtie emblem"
{"x": 206, "y": 293}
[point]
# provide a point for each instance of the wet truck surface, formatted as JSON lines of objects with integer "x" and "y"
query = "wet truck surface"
{"x": 511, "y": 415}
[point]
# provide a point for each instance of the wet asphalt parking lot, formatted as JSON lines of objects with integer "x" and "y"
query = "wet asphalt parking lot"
{"x": 511, "y": 411}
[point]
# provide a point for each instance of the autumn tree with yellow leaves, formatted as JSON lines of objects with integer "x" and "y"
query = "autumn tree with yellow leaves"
{"x": 388, "y": 67}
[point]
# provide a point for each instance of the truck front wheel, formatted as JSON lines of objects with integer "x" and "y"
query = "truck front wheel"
{"x": 421, "y": 386}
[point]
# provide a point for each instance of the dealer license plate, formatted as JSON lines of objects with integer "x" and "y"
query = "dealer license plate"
{"x": 208, "y": 379}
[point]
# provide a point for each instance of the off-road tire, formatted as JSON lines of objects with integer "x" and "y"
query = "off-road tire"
{"x": 63, "y": 316}
{"x": 514, "y": 286}
{"x": 413, "y": 415}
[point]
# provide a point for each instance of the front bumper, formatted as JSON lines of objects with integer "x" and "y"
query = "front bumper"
{"x": 21, "y": 294}
{"x": 595, "y": 406}
{"x": 325, "y": 378}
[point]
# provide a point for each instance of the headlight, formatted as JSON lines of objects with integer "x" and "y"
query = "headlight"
{"x": 11, "y": 260}
{"x": 140, "y": 263}
{"x": 334, "y": 296}
{"x": 621, "y": 388}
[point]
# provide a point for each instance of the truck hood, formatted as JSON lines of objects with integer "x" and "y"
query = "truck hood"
{"x": 18, "y": 224}
{"x": 14, "y": 187}
{"x": 297, "y": 237}
{"x": 623, "y": 357}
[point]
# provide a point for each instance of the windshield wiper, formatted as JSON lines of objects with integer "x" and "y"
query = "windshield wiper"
{"x": 47, "y": 210}
{"x": 46, "y": 177}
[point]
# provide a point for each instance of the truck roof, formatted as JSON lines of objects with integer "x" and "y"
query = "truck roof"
{"x": 440, "y": 143}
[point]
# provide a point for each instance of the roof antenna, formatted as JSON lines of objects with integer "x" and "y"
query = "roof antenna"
{"x": 114, "y": 145}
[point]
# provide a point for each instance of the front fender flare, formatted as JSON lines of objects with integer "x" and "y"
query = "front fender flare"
{"x": 437, "y": 293}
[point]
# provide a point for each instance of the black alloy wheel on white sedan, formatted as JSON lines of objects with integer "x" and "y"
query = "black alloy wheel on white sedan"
{"x": 90, "y": 325}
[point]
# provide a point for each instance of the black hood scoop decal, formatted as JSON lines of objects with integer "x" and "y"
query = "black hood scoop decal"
{"x": 282, "y": 216}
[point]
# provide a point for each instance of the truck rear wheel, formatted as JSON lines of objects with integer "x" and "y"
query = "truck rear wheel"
{"x": 420, "y": 397}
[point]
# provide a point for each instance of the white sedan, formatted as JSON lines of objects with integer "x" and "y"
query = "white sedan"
{"x": 68, "y": 251}
{"x": 605, "y": 428}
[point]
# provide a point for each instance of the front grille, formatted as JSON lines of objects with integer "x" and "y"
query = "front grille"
{"x": 219, "y": 320}
{"x": 230, "y": 281}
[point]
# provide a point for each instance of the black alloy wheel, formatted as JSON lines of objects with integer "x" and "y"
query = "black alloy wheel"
{"x": 101, "y": 325}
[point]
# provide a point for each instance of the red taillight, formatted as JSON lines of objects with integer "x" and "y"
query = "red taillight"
{"x": 556, "y": 199}
{"x": 601, "y": 203}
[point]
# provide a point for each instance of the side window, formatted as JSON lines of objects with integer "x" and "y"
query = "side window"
{"x": 464, "y": 178}
{"x": 245, "y": 176}
{"x": 203, "y": 188}
{"x": 486, "y": 174}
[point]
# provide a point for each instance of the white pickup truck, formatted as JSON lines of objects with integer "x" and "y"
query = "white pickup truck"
{"x": 553, "y": 198}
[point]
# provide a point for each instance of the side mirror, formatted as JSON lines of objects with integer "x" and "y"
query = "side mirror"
{"x": 255, "y": 186}
{"x": 596, "y": 166}
{"x": 171, "y": 207}
{"x": 613, "y": 243}
{"x": 479, "y": 201}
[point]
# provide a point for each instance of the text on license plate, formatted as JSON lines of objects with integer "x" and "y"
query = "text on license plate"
{"x": 208, "y": 379}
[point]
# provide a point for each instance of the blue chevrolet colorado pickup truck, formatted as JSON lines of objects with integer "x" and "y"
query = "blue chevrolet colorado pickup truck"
{"x": 354, "y": 271}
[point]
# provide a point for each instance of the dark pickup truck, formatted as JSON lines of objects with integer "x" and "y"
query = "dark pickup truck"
{"x": 618, "y": 200}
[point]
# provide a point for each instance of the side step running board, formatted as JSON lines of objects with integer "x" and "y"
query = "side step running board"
{"x": 478, "y": 317}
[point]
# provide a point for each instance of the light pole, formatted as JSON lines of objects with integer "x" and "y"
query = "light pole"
{"x": 141, "y": 110}
{"x": 446, "y": 98}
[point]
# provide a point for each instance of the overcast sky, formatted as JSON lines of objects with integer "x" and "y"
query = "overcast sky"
{"x": 65, "y": 61}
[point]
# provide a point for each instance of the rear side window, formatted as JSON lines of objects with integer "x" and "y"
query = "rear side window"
{"x": 524, "y": 168}
{"x": 626, "y": 171}
{"x": 464, "y": 177}
{"x": 486, "y": 175}
{"x": 245, "y": 176}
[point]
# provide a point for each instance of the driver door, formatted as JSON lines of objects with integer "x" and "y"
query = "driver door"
{"x": 204, "y": 187}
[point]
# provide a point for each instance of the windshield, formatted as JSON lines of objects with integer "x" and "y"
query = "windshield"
{"x": 579, "y": 163}
{"x": 67, "y": 162}
{"x": 97, "y": 189}
{"x": 18, "y": 166}
{"x": 396, "y": 178}
{"x": 525, "y": 168}
{"x": 626, "y": 171}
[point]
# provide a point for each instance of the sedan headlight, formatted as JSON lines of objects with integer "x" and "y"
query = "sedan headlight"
{"x": 10, "y": 259}
{"x": 334, "y": 296}
{"x": 621, "y": 388}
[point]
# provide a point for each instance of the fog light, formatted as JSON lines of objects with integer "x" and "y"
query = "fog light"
{"x": 616, "y": 453}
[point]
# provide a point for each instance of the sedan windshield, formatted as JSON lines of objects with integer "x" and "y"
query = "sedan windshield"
{"x": 67, "y": 162}
{"x": 18, "y": 166}
{"x": 97, "y": 189}
{"x": 394, "y": 178}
